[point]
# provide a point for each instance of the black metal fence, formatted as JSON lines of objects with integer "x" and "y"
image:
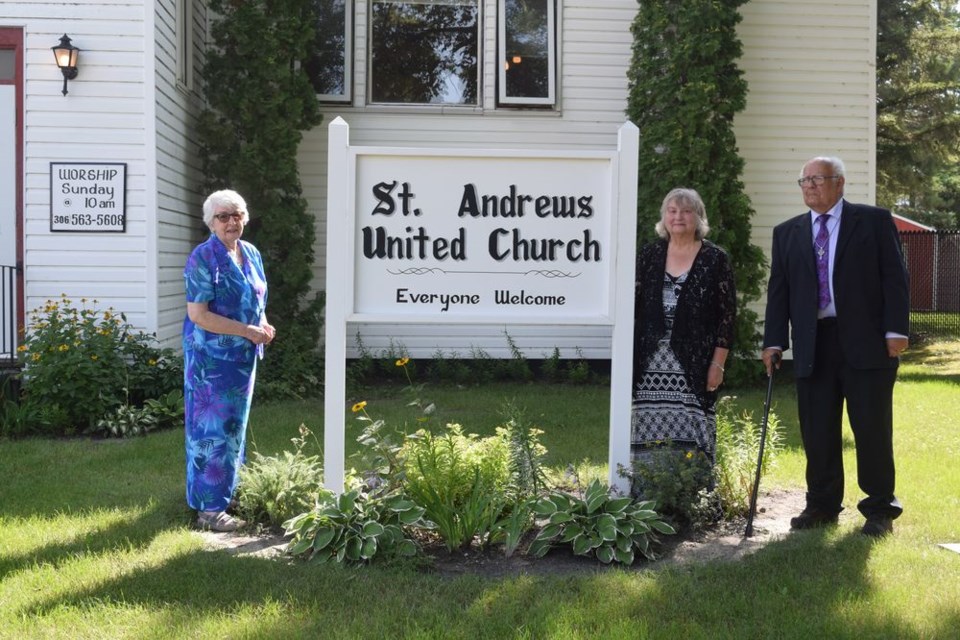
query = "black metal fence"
{"x": 933, "y": 260}
{"x": 8, "y": 315}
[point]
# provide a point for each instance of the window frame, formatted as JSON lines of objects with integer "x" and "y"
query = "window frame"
{"x": 184, "y": 44}
{"x": 481, "y": 37}
{"x": 347, "y": 95}
{"x": 503, "y": 100}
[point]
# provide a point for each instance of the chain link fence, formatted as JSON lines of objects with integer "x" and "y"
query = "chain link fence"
{"x": 933, "y": 260}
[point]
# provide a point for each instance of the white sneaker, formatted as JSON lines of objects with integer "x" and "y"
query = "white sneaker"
{"x": 218, "y": 521}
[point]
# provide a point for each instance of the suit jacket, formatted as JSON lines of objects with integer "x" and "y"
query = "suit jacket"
{"x": 704, "y": 318}
{"x": 870, "y": 288}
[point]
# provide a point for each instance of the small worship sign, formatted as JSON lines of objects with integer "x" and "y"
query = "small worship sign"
{"x": 88, "y": 197}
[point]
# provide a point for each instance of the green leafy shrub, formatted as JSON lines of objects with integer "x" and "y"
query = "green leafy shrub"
{"x": 738, "y": 446}
{"x": 448, "y": 368}
{"x": 460, "y": 479}
{"x": 81, "y": 364}
{"x": 274, "y": 489}
{"x": 551, "y": 369}
{"x": 355, "y": 528}
{"x": 128, "y": 420}
{"x": 599, "y": 525}
{"x": 679, "y": 482}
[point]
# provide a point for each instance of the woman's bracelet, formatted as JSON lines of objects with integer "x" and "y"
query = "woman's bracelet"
{"x": 718, "y": 366}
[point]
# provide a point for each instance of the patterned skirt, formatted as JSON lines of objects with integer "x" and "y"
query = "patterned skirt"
{"x": 216, "y": 397}
{"x": 666, "y": 413}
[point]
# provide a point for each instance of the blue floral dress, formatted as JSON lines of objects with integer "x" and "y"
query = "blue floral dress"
{"x": 219, "y": 370}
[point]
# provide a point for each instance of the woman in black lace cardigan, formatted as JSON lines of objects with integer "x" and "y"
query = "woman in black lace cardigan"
{"x": 685, "y": 309}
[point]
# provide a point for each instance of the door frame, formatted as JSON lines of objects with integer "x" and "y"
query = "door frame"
{"x": 12, "y": 38}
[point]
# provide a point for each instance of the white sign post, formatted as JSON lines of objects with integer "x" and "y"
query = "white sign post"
{"x": 436, "y": 236}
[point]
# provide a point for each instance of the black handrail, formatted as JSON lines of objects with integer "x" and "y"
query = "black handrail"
{"x": 8, "y": 314}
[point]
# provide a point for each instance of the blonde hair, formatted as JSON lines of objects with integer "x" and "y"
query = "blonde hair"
{"x": 689, "y": 198}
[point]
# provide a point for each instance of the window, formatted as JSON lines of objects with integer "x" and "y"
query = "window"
{"x": 526, "y": 52}
{"x": 185, "y": 44}
{"x": 424, "y": 51}
{"x": 329, "y": 66}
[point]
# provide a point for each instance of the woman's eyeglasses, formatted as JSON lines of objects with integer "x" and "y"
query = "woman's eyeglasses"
{"x": 226, "y": 217}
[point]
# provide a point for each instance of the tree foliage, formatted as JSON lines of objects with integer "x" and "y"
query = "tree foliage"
{"x": 918, "y": 109}
{"x": 685, "y": 89}
{"x": 260, "y": 101}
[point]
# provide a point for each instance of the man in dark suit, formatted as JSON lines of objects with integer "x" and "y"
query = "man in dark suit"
{"x": 837, "y": 278}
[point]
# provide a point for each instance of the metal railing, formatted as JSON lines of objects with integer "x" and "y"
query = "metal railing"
{"x": 8, "y": 315}
{"x": 933, "y": 260}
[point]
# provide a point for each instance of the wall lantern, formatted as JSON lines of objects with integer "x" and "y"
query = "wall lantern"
{"x": 66, "y": 55}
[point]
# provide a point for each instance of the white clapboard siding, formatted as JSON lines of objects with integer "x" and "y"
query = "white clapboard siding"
{"x": 104, "y": 118}
{"x": 179, "y": 224}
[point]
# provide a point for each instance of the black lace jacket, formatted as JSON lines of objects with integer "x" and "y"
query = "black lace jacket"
{"x": 705, "y": 314}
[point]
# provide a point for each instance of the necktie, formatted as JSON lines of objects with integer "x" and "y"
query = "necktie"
{"x": 822, "y": 252}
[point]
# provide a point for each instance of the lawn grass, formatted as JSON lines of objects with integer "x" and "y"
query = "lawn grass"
{"x": 95, "y": 542}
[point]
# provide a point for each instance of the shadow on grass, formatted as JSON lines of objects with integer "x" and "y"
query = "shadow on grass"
{"x": 127, "y": 532}
{"x": 801, "y": 586}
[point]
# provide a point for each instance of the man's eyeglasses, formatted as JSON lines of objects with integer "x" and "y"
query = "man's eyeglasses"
{"x": 226, "y": 217}
{"x": 815, "y": 180}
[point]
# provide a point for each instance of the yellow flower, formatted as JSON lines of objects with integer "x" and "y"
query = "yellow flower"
{"x": 151, "y": 362}
{"x": 402, "y": 362}
{"x": 359, "y": 406}
{"x": 22, "y": 348}
{"x": 689, "y": 454}
{"x": 35, "y": 357}
{"x": 94, "y": 357}
{"x": 63, "y": 347}
{"x": 107, "y": 315}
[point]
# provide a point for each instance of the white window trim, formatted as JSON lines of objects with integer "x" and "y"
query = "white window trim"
{"x": 347, "y": 95}
{"x": 445, "y": 106}
{"x": 184, "y": 44}
{"x": 502, "y": 98}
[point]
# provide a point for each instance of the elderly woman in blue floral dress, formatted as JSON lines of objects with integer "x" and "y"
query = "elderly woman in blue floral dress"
{"x": 223, "y": 336}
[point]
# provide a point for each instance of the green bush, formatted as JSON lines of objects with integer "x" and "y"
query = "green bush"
{"x": 355, "y": 528}
{"x": 738, "y": 446}
{"x": 597, "y": 524}
{"x": 273, "y": 489}
{"x": 679, "y": 482}
{"x": 461, "y": 481}
{"x": 80, "y": 364}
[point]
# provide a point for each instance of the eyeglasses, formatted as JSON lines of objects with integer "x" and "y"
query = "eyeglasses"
{"x": 226, "y": 217}
{"x": 815, "y": 180}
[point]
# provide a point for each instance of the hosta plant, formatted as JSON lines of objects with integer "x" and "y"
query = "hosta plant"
{"x": 612, "y": 529}
{"x": 354, "y": 528}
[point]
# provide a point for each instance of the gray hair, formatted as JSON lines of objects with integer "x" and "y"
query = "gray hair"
{"x": 835, "y": 164}
{"x": 225, "y": 198}
{"x": 689, "y": 198}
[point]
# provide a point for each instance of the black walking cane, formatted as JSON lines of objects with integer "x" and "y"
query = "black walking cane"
{"x": 774, "y": 359}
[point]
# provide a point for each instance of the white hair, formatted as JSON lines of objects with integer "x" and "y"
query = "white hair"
{"x": 224, "y": 198}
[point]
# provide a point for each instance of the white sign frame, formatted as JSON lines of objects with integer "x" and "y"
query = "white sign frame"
{"x": 616, "y": 308}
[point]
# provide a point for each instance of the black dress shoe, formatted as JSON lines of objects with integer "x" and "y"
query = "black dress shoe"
{"x": 813, "y": 518}
{"x": 877, "y": 527}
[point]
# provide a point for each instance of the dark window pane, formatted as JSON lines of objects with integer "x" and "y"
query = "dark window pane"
{"x": 7, "y": 63}
{"x": 527, "y": 48}
{"x": 424, "y": 52}
{"x": 327, "y": 66}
